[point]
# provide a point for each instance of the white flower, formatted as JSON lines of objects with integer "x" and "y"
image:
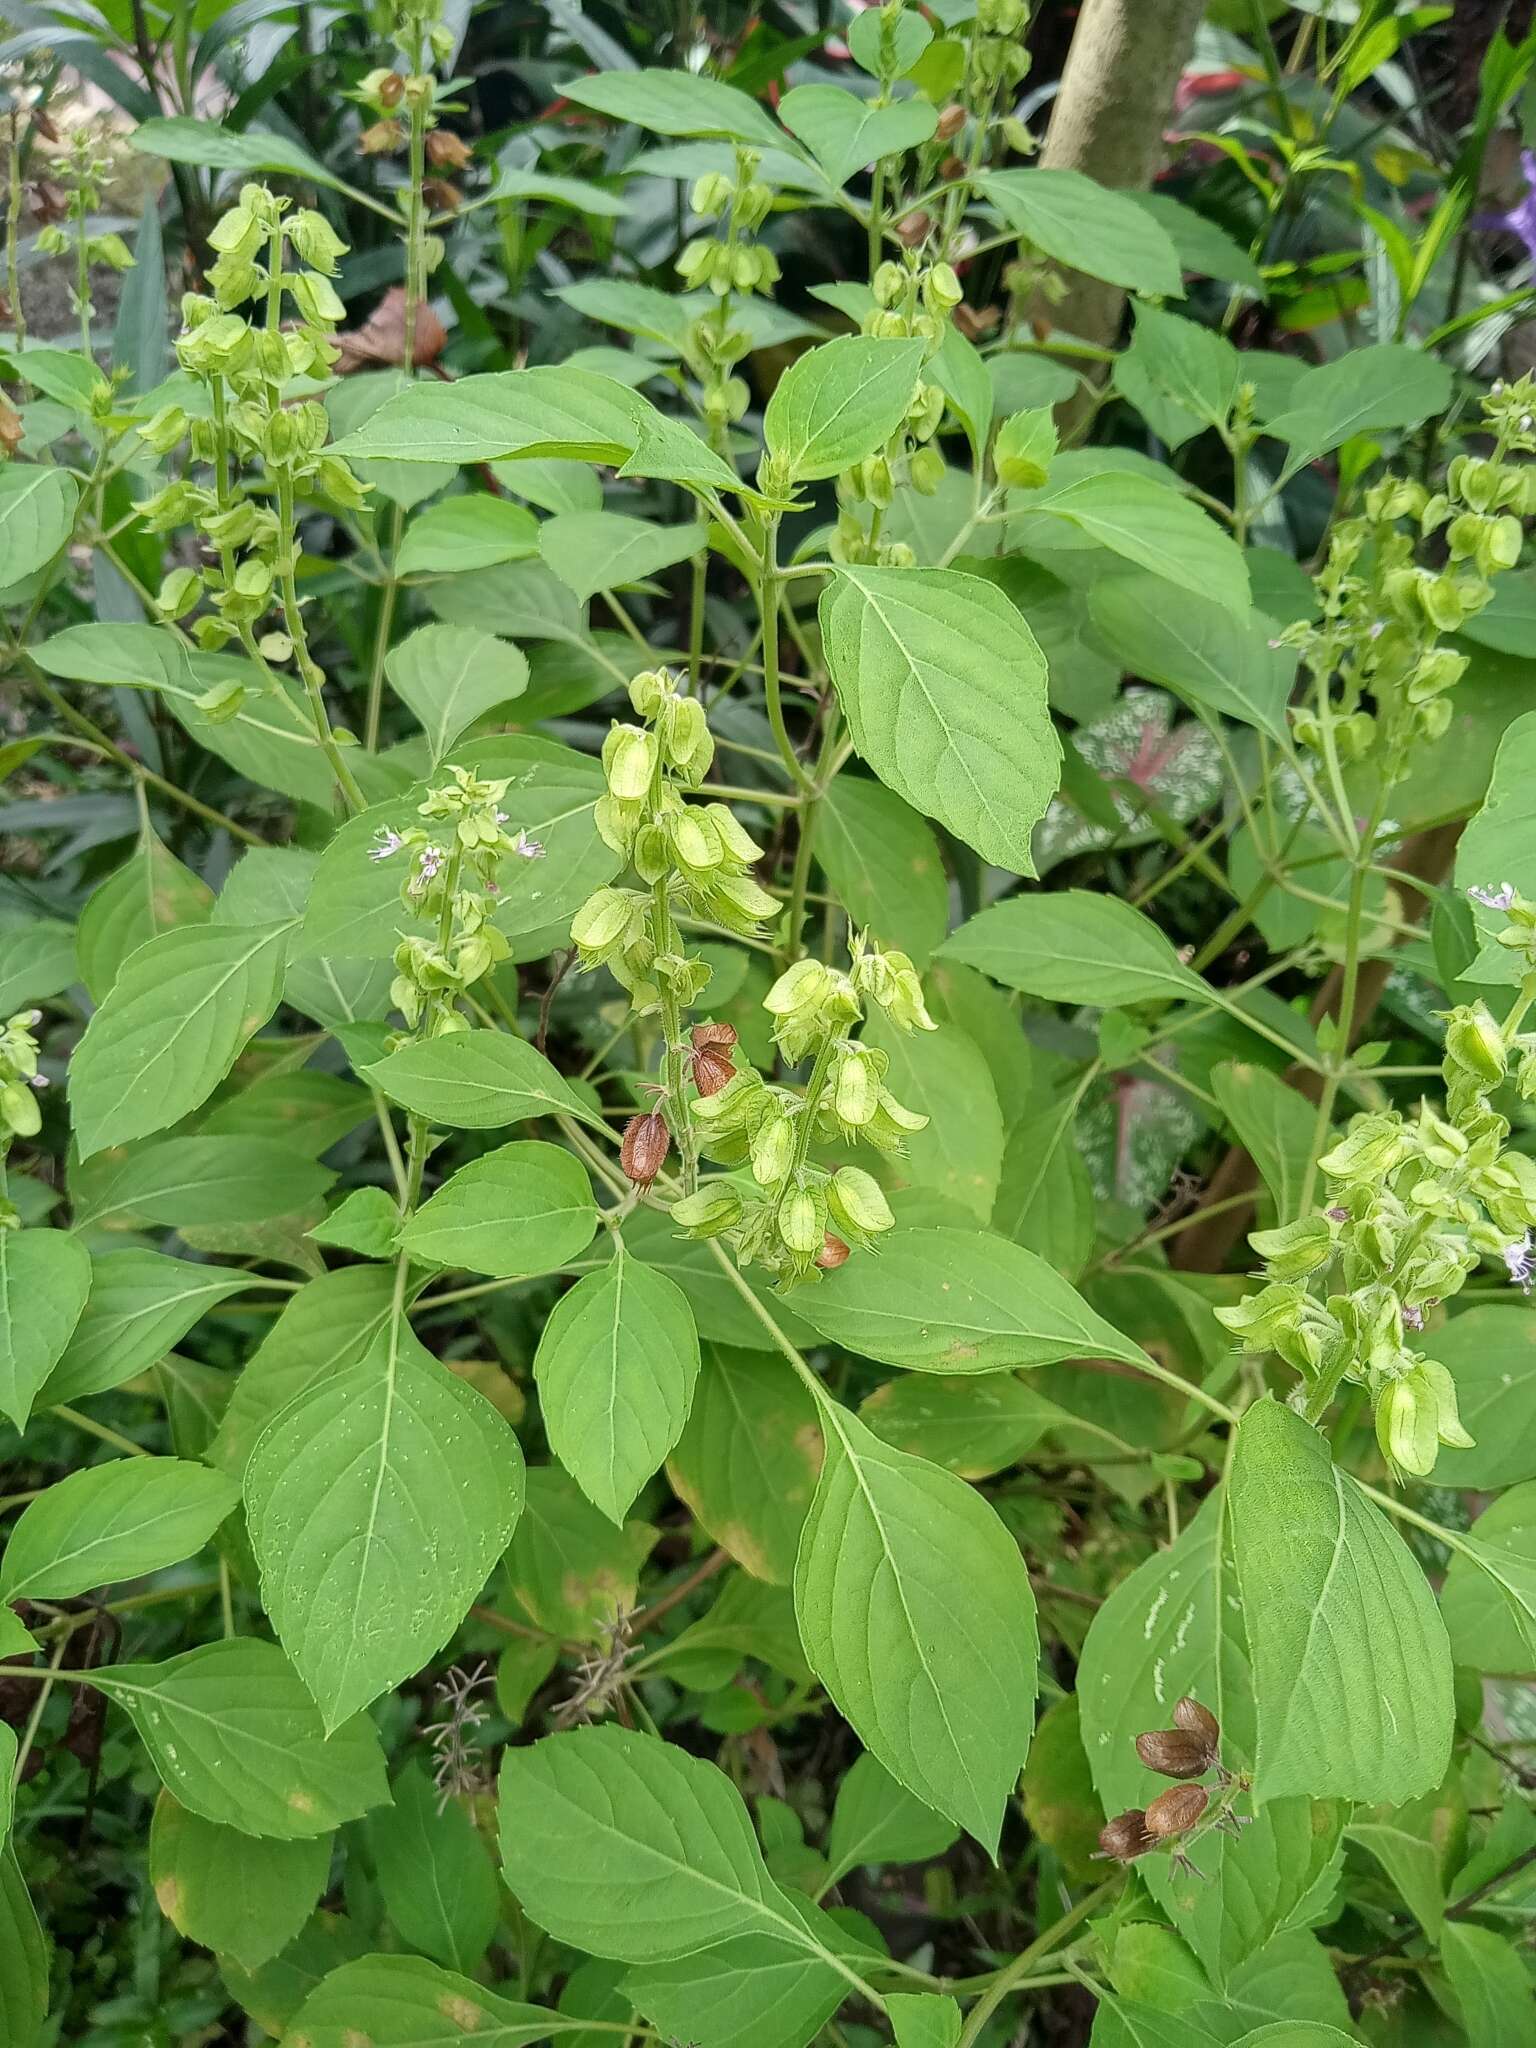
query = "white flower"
{"x": 1494, "y": 899}
{"x": 389, "y": 844}
{"x": 1517, "y": 1257}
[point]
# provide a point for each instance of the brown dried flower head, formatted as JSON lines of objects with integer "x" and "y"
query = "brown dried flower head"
{"x": 1175, "y": 1753}
{"x": 1175, "y": 1811}
{"x": 647, "y": 1142}
{"x": 710, "y": 1057}
{"x": 1197, "y": 1720}
{"x": 1125, "y": 1837}
{"x": 447, "y": 151}
{"x": 381, "y": 138}
{"x": 833, "y": 1253}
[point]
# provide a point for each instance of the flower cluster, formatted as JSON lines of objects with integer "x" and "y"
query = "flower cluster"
{"x": 786, "y": 1212}
{"x": 1381, "y": 676}
{"x": 20, "y": 1083}
{"x": 690, "y": 857}
{"x": 728, "y": 262}
{"x": 84, "y": 173}
{"x": 913, "y": 301}
{"x": 1175, "y": 1818}
{"x": 1414, "y": 1204}
{"x": 452, "y": 876}
{"x": 243, "y": 363}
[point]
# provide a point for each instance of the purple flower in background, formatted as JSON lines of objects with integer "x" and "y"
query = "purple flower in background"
{"x": 1494, "y": 899}
{"x": 1521, "y": 218}
{"x": 1517, "y": 1257}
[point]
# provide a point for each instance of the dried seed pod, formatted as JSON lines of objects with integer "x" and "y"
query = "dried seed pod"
{"x": 441, "y": 196}
{"x": 447, "y": 151}
{"x": 1174, "y": 1753}
{"x": 951, "y": 121}
{"x": 391, "y": 87}
{"x": 833, "y": 1253}
{"x": 1125, "y": 1836}
{"x": 1175, "y": 1811}
{"x": 1197, "y": 1720}
{"x": 710, "y": 1056}
{"x": 914, "y": 228}
{"x": 647, "y": 1141}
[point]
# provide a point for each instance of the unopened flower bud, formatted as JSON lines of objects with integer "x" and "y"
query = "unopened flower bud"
{"x": 643, "y": 1154}
{"x": 1474, "y": 1041}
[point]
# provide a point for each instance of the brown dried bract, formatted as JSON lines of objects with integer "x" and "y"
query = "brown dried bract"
{"x": 647, "y": 1141}
{"x": 710, "y": 1057}
{"x": 1125, "y": 1836}
{"x": 381, "y": 138}
{"x": 1197, "y": 1720}
{"x": 381, "y": 338}
{"x": 833, "y": 1253}
{"x": 1175, "y": 1811}
{"x": 447, "y": 151}
{"x": 1175, "y": 1753}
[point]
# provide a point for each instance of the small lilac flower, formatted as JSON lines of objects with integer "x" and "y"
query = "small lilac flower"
{"x": 39, "y": 1082}
{"x": 431, "y": 860}
{"x": 1517, "y": 1257}
{"x": 1520, "y": 219}
{"x": 389, "y": 844}
{"x": 1494, "y": 899}
{"x": 1413, "y": 1318}
{"x": 1378, "y": 629}
{"x": 1337, "y": 1214}
{"x": 526, "y": 848}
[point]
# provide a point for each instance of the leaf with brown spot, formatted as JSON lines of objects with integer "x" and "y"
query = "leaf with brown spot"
{"x": 407, "y": 2002}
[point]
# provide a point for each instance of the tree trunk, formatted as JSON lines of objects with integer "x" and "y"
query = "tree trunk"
{"x": 1114, "y": 102}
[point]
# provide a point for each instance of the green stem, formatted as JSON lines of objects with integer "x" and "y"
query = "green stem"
{"x": 1017, "y": 1971}
{"x": 768, "y": 607}
{"x": 309, "y": 669}
{"x": 92, "y": 1427}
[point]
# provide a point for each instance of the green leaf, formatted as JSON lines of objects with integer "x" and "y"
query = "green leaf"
{"x": 112, "y": 1522}
{"x": 477, "y": 1081}
{"x": 184, "y": 139}
{"x": 1489, "y": 1597}
{"x": 959, "y": 1301}
{"x": 24, "y": 1959}
{"x": 37, "y": 957}
{"x": 378, "y": 1502}
{"x": 1274, "y": 1124}
{"x": 943, "y": 687}
{"x": 884, "y": 864}
{"x": 1174, "y": 1627}
{"x": 1409, "y": 1842}
{"x": 435, "y": 1873}
{"x": 335, "y": 1321}
{"x": 593, "y": 551}
{"x": 1144, "y": 522}
{"x": 172, "y": 1026}
{"x": 973, "y": 1426}
{"x": 899, "y": 1563}
{"x": 235, "y": 1737}
{"x": 1364, "y": 390}
{"x": 1492, "y": 1986}
{"x": 840, "y": 402}
{"x": 45, "y": 1279}
{"x": 1044, "y": 1197}
{"x": 621, "y": 1845}
{"x": 1489, "y": 1353}
{"x": 468, "y": 532}
{"x": 676, "y": 103}
{"x": 1086, "y": 227}
{"x": 523, "y": 1209}
{"x": 313, "y": 1110}
{"x": 1074, "y": 947}
{"x": 140, "y": 1306}
{"x": 1495, "y": 846}
{"x": 723, "y": 1317}
{"x": 1203, "y": 652}
{"x": 616, "y": 1367}
{"x": 1203, "y": 249}
{"x": 923, "y": 2020}
{"x": 572, "y": 1572}
{"x": 197, "y": 1181}
{"x": 942, "y": 1075}
{"x": 758, "y": 1991}
{"x": 1351, "y": 1666}
{"x": 582, "y": 195}
{"x": 406, "y": 2002}
{"x": 845, "y": 133}
{"x": 150, "y": 894}
{"x": 37, "y": 516}
{"x": 233, "y": 1893}
{"x": 452, "y": 675}
{"x": 747, "y": 1462}
{"x": 877, "y": 1820}
{"x": 1180, "y": 376}
{"x": 367, "y": 1222}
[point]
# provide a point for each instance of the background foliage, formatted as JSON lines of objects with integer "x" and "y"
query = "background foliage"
{"x": 765, "y": 920}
